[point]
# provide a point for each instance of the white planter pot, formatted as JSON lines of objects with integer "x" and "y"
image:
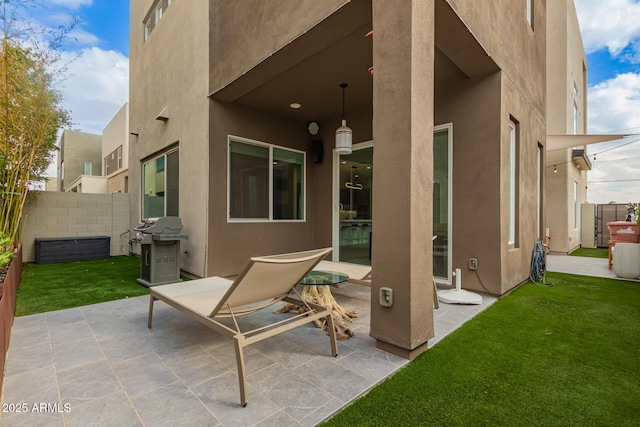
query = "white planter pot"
{"x": 626, "y": 260}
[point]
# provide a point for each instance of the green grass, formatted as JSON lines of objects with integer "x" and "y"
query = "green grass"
{"x": 48, "y": 287}
{"x": 551, "y": 356}
{"x": 591, "y": 253}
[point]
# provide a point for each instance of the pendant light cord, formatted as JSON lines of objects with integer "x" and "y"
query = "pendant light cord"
{"x": 343, "y": 86}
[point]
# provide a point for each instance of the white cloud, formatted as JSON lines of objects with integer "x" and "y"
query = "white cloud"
{"x": 611, "y": 24}
{"x": 616, "y": 172}
{"x": 614, "y": 104}
{"x": 82, "y": 37}
{"x": 70, "y": 4}
{"x": 96, "y": 87}
{"x": 614, "y": 107}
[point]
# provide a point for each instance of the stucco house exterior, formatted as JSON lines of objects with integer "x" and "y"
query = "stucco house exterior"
{"x": 115, "y": 152}
{"x": 78, "y": 159}
{"x": 567, "y": 167}
{"x": 447, "y": 105}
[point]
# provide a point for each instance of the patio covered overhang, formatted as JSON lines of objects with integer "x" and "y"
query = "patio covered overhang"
{"x": 308, "y": 71}
{"x": 310, "y": 68}
{"x": 562, "y": 142}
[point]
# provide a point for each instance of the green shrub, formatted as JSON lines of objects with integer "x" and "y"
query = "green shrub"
{"x": 5, "y": 250}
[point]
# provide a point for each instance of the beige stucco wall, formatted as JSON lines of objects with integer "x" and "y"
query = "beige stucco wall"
{"x": 118, "y": 183}
{"x": 55, "y": 214}
{"x": 170, "y": 69}
{"x": 566, "y": 68}
{"x": 76, "y": 148}
{"x": 521, "y": 95}
{"x": 473, "y": 109}
{"x": 257, "y": 28}
{"x": 88, "y": 184}
{"x": 405, "y": 108}
{"x": 232, "y": 243}
{"x": 516, "y": 260}
{"x": 519, "y": 51}
{"x": 114, "y": 135}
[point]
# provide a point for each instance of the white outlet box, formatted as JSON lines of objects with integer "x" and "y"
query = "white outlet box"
{"x": 386, "y": 297}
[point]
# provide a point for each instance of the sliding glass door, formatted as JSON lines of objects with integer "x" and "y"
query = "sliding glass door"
{"x": 353, "y": 193}
{"x": 442, "y": 201}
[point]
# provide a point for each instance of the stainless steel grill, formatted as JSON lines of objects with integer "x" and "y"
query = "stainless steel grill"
{"x": 159, "y": 239}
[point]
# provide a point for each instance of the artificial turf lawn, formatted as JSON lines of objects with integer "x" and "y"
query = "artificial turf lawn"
{"x": 48, "y": 287}
{"x": 591, "y": 252}
{"x": 544, "y": 356}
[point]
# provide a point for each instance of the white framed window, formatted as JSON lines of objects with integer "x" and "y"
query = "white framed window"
{"x": 512, "y": 184}
{"x": 154, "y": 15}
{"x": 106, "y": 166}
{"x": 161, "y": 185}
{"x": 576, "y": 205}
{"x": 119, "y": 157}
{"x": 159, "y": 12}
{"x": 88, "y": 168}
{"x": 147, "y": 29}
{"x": 265, "y": 182}
{"x": 529, "y": 12}
{"x": 539, "y": 190}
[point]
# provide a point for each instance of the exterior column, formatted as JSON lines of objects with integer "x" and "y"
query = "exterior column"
{"x": 403, "y": 98}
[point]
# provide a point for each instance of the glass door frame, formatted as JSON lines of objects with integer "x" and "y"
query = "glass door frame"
{"x": 335, "y": 212}
{"x": 449, "y": 279}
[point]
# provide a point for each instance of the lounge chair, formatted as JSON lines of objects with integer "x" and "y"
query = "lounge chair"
{"x": 264, "y": 281}
{"x": 361, "y": 274}
{"x": 358, "y": 274}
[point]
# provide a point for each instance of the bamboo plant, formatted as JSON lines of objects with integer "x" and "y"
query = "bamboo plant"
{"x": 30, "y": 116}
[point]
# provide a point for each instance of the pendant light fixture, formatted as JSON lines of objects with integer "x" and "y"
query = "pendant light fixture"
{"x": 344, "y": 135}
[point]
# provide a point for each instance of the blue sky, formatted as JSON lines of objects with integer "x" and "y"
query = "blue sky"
{"x": 611, "y": 38}
{"x": 98, "y": 67}
{"x": 108, "y": 20}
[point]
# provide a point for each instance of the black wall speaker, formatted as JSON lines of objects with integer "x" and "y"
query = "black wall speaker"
{"x": 317, "y": 151}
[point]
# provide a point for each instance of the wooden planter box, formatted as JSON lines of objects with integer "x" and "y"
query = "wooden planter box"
{"x": 624, "y": 231}
{"x": 8, "y": 306}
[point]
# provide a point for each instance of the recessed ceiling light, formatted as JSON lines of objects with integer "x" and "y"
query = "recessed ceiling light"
{"x": 295, "y": 105}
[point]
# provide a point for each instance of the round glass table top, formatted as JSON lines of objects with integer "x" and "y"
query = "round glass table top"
{"x": 320, "y": 277}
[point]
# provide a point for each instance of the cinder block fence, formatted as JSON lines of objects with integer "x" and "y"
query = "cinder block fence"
{"x": 56, "y": 214}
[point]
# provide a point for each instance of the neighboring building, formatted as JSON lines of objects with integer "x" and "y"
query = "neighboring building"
{"x": 115, "y": 152}
{"x": 566, "y": 170}
{"x": 79, "y": 156}
{"x": 448, "y": 133}
{"x": 51, "y": 184}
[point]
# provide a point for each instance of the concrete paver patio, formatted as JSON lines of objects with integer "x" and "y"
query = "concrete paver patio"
{"x": 99, "y": 364}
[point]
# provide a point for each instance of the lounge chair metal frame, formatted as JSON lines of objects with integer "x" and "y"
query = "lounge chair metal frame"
{"x": 230, "y": 299}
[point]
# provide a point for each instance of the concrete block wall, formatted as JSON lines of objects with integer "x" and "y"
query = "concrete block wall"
{"x": 57, "y": 214}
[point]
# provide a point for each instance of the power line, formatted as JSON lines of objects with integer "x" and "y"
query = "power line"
{"x": 613, "y": 148}
{"x": 614, "y": 180}
{"x": 618, "y": 130}
{"x": 595, "y": 154}
{"x": 618, "y": 160}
